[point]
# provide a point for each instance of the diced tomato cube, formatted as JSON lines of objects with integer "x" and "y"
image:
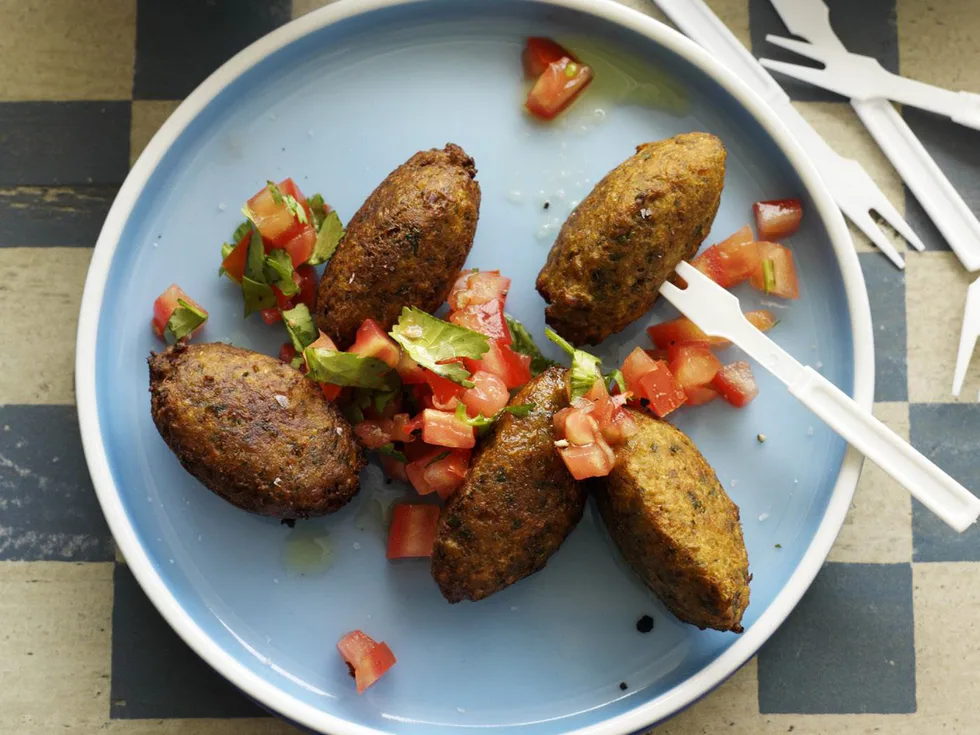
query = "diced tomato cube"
{"x": 305, "y": 277}
{"x": 511, "y": 367}
{"x": 761, "y": 319}
{"x": 374, "y": 433}
{"x": 412, "y": 530}
{"x": 393, "y": 468}
{"x": 436, "y": 470}
{"x": 277, "y": 224}
{"x": 445, "y": 393}
{"x": 736, "y": 383}
{"x": 330, "y": 392}
{"x": 373, "y": 666}
{"x": 577, "y": 426}
{"x": 487, "y": 319}
{"x": 699, "y": 394}
{"x": 683, "y": 331}
{"x": 557, "y": 86}
{"x": 731, "y": 261}
{"x": 658, "y": 390}
{"x": 300, "y": 246}
{"x": 777, "y": 218}
{"x": 539, "y": 53}
{"x": 488, "y": 395}
{"x": 354, "y": 646}
{"x": 287, "y": 352}
{"x": 783, "y": 281}
{"x": 619, "y": 428}
{"x": 234, "y": 264}
{"x": 591, "y": 460}
{"x": 271, "y": 316}
{"x": 479, "y": 287}
{"x": 693, "y": 365}
{"x": 165, "y": 306}
{"x": 443, "y": 429}
{"x": 373, "y": 341}
{"x": 637, "y": 364}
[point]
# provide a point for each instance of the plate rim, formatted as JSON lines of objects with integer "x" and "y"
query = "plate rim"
{"x": 644, "y": 715}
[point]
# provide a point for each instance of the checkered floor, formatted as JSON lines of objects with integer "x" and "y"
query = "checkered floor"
{"x": 888, "y": 638}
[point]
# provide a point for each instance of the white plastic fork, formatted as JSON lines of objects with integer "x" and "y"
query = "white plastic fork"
{"x": 921, "y": 174}
{"x": 863, "y": 78}
{"x": 717, "y": 313}
{"x": 968, "y": 336}
{"x": 852, "y": 188}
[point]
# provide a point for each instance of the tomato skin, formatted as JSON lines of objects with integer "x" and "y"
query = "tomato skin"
{"x": 488, "y": 395}
{"x": 538, "y": 53}
{"x": 354, "y": 646}
{"x": 373, "y": 341}
{"x": 430, "y": 474}
{"x": 482, "y": 287}
{"x": 693, "y": 365}
{"x": 330, "y": 392}
{"x": 287, "y": 352}
{"x": 555, "y": 89}
{"x": 300, "y": 246}
{"x": 731, "y": 261}
{"x": 305, "y": 277}
{"x": 786, "y": 282}
{"x": 445, "y": 393}
{"x": 393, "y": 468}
{"x": 591, "y": 460}
{"x": 373, "y": 666}
{"x": 487, "y": 319}
{"x": 271, "y": 316}
{"x": 443, "y": 429}
{"x": 511, "y": 367}
{"x": 777, "y": 218}
{"x": 736, "y": 384}
{"x": 234, "y": 264}
{"x": 637, "y": 364}
{"x": 164, "y": 307}
{"x": 412, "y": 530}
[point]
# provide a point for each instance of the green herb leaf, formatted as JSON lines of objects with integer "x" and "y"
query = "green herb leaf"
{"x": 297, "y": 362}
{"x": 257, "y": 295}
{"x": 329, "y": 235}
{"x": 521, "y": 410}
{"x": 185, "y": 319}
{"x": 438, "y": 458}
{"x": 383, "y": 398}
{"x": 390, "y": 451}
{"x": 279, "y": 272}
{"x": 585, "y": 367}
{"x": 430, "y": 342}
{"x": 482, "y": 422}
{"x": 768, "y": 275}
{"x": 255, "y": 260}
{"x": 296, "y": 209}
{"x": 240, "y": 232}
{"x": 522, "y": 342}
{"x": 299, "y": 324}
{"x": 354, "y": 408}
{"x": 275, "y": 191}
{"x": 346, "y": 368}
{"x": 616, "y": 376}
{"x": 319, "y": 210}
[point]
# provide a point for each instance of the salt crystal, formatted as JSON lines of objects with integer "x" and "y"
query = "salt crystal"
{"x": 282, "y": 400}
{"x": 763, "y": 516}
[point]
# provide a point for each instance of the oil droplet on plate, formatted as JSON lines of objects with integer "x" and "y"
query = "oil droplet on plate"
{"x": 307, "y": 551}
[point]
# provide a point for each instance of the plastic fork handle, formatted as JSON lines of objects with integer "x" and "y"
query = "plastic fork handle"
{"x": 969, "y": 112}
{"x": 936, "y": 490}
{"x": 944, "y": 205}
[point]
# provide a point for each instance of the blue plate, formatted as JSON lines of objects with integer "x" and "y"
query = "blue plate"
{"x": 337, "y": 100}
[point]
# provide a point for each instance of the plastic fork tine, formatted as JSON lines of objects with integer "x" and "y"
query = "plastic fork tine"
{"x": 968, "y": 336}
{"x": 865, "y": 222}
{"x": 809, "y": 50}
{"x": 816, "y": 77}
{"x": 891, "y": 215}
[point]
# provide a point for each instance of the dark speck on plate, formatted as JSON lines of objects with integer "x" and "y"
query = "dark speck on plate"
{"x": 644, "y": 624}
{"x": 547, "y": 204}
{"x": 622, "y": 686}
{"x": 289, "y": 522}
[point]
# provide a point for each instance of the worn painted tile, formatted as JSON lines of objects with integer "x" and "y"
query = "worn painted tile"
{"x": 63, "y": 143}
{"x": 731, "y": 707}
{"x": 154, "y": 673}
{"x": 947, "y": 646}
{"x": 54, "y": 644}
{"x": 867, "y": 27}
{"x": 35, "y": 216}
{"x": 847, "y": 648}
{"x": 956, "y": 150}
{"x": 839, "y": 126}
{"x": 935, "y": 296}
{"x": 66, "y": 49}
{"x": 735, "y": 15}
{"x": 886, "y": 291}
{"x": 936, "y": 39}
{"x": 148, "y": 116}
{"x": 39, "y": 369}
{"x": 878, "y": 526}
{"x": 947, "y": 434}
{"x": 179, "y": 43}
{"x": 48, "y": 509}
